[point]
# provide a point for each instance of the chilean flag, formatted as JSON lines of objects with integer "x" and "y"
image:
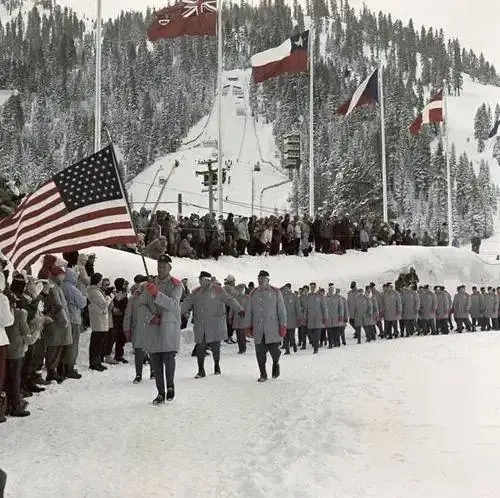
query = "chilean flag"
{"x": 433, "y": 113}
{"x": 365, "y": 94}
{"x": 289, "y": 57}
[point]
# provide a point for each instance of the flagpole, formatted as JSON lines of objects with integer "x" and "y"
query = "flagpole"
{"x": 125, "y": 196}
{"x": 382, "y": 137}
{"x": 98, "y": 56}
{"x": 311, "y": 120}
{"x": 220, "y": 193}
{"x": 448, "y": 167}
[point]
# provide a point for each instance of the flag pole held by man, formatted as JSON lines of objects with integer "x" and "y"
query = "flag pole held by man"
{"x": 82, "y": 206}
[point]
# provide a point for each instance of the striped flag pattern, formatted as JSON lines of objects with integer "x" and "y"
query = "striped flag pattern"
{"x": 81, "y": 206}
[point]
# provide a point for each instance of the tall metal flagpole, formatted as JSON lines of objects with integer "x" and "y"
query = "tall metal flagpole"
{"x": 448, "y": 167}
{"x": 98, "y": 57}
{"x": 382, "y": 138}
{"x": 220, "y": 193}
{"x": 311, "y": 120}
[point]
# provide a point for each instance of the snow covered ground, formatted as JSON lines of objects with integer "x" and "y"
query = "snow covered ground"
{"x": 412, "y": 417}
{"x": 245, "y": 141}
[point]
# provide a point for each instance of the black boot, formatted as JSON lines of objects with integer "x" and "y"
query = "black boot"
{"x": 201, "y": 369}
{"x": 170, "y": 394}
{"x": 276, "y": 370}
{"x": 217, "y": 369}
{"x": 72, "y": 374}
{"x": 159, "y": 399}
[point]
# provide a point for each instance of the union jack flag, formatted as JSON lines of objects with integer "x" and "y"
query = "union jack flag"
{"x": 197, "y": 7}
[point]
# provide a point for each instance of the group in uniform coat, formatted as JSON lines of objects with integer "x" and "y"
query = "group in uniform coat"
{"x": 208, "y": 303}
{"x": 271, "y": 317}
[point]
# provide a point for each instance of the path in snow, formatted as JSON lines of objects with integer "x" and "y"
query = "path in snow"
{"x": 412, "y": 417}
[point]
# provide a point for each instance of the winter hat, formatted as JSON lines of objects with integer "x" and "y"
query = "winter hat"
{"x": 55, "y": 271}
{"x": 205, "y": 274}
{"x": 263, "y": 273}
{"x": 230, "y": 279}
{"x": 353, "y": 284}
{"x": 165, "y": 258}
{"x": 120, "y": 284}
{"x": 18, "y": 285}
{"x": 95, "y": 279}
{"x": 138, "y": 279}
{"x": 71, "y": 257}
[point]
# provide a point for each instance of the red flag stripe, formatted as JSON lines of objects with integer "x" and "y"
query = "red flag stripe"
{"x": 33, "y": 201}
{"x": 72, "y": 239}
{"x": 50, "y": 227}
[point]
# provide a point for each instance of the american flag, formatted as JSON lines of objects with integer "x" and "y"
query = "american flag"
{"x": 81, "y": 206}
{"x": 197, "y": 7}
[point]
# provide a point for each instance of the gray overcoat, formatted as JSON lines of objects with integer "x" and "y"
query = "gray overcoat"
{"x": 293, "y": 309}
{"x": 57, "y": 333}
{"x": 410, "y": 301}
{"x": 461, "y": 305}
{"x": 209, "y": 312}
{"x": 315, "y": 312}
{"x": 265, "y": 314}
{"x": 337, "y": 310}
{"x": 392, "y": 307}
{"x": 427, "y": 305}
{"x": 166, "y": 337}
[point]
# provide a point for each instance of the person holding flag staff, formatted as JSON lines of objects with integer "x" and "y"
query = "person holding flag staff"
{"x": 160, "y": 306}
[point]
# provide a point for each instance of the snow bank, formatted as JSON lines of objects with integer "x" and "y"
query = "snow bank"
{"x": 433, "y": 264}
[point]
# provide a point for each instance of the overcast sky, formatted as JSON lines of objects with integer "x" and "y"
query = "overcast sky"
{"x": 474, "y": 22}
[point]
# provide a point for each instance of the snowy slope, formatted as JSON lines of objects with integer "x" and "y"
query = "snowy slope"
{"x": 412, "y": 417}
{"x": 245, "y": 142}
{"x": 461, "y": 114}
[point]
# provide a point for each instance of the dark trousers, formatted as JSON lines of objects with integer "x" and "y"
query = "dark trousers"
{"x": 302, "y": 336}
{"x": 428, "y": 325}
{"x": 342, "y": 335}
{"x": 314, "y": 334}
{"x": 242, "y": 340}
{"x": 261, "y": 350}
{"x": 120, "y": 341}
{"x": 70, "y": 353}
{"x": 139, "y": 355}
{"x": 389, "y": 327}
{"x": 380, "y": 328}
{"x": 27, "y": 372}
{"x": 442, "y": 325}
{"x": 3, "y": 366}
{"x": 370, "y": 332}
{"x": 39, "y": 350}
{"x": 323, "y": 337}
{"x": 289, "y": 340}
{"x": 332, "y": 335}
{"x": 53, "y": 358}
{"x": 96, "y": 347}
{"x": 109, "y": 342}
{"x": 3, "y": 481}
{"x": 230, "y": 331}
{"x": 407, "y": 327}
{"x": 13, "y": 383}
{"x": 200, "y": 353}
{"x": 164, "y": 367}
{"x": 461, "y": 322}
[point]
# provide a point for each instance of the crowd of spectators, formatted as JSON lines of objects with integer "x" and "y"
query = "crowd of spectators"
{"x": 211, "y": 236}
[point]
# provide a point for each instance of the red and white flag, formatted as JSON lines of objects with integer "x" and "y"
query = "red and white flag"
{"x": 289, "y": 57}
{"x": 81, "y": 206}
{"x": 433, "y": 112}
{"x": 185, "y": 18}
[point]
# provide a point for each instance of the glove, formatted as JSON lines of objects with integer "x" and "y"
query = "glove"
{"x": 156, "y": 320}
{"x": 241, "y": 313}
{"x": 152, "y": 289}
{"x": 282, "y": 331}
{"x": 249, "y": 332}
